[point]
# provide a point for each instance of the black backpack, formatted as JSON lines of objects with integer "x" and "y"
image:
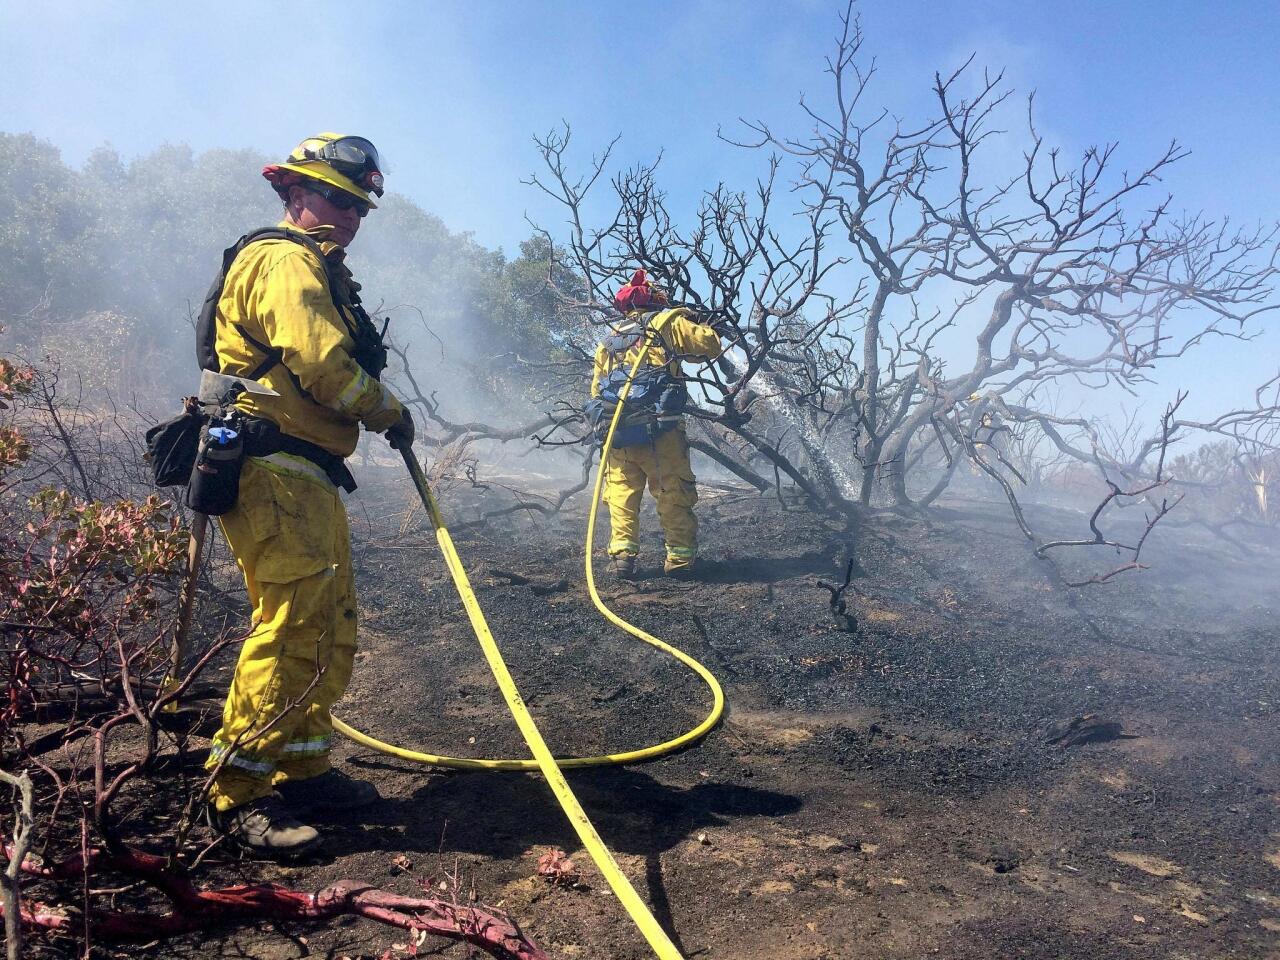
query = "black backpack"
{"x": 370, "y": 351}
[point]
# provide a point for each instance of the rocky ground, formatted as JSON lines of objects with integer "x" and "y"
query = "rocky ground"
{"x": 986, "y": 765}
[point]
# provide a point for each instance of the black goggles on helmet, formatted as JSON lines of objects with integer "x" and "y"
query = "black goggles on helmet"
{"x": 355, "y": 158}
{"x": 337, "y": 196}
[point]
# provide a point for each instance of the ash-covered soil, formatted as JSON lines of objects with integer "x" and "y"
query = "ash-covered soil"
{"x": 911, "y": 788}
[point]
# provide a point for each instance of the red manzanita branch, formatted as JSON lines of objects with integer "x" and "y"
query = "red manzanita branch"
{"x": 196, "y": 909}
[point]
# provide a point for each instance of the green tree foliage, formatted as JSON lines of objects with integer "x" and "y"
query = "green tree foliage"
{"x": 532, "y": 317}
{"x": 116, "y": 257}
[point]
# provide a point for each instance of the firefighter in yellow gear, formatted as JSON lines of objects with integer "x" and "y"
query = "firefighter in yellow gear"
{"x": 667, "y": 336}
{"x": 289, "y": 316}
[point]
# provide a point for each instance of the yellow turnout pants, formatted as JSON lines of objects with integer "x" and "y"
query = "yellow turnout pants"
{"x": 664, "y": 465}
{"x": 290, "y": 538}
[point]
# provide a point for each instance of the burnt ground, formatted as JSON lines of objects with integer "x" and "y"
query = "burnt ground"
{"x": 891, "y": 792}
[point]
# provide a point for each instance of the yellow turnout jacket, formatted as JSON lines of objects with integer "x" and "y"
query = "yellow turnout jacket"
{"x": 277, "y": 293}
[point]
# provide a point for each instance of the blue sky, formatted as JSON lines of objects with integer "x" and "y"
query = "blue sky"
{"x": 452, "y": 92}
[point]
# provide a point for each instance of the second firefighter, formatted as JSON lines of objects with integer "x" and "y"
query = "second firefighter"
{"x": 650, "y": 446}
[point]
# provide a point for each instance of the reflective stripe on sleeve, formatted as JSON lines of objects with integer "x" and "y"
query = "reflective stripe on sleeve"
{"x": 353, "y": 391}
{"x": 388, "y": 398}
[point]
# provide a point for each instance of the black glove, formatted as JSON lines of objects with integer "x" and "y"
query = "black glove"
{"x": 400, "y": 434}
{"x": 722, "y": 323}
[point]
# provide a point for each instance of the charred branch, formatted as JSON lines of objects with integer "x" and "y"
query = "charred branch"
{"x": 194, "y": 909}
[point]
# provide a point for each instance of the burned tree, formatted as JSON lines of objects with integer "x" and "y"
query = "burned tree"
{"x": 730, "y": 258}
{"x": 918, "y": 308}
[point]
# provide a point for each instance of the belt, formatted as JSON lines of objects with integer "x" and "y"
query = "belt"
{"x": 262, "y": 438}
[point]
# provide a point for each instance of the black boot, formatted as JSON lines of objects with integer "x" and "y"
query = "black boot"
{"x": 623, "y": 565}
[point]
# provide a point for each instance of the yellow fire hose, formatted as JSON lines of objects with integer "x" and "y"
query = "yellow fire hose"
{"x": 543, "y": 761}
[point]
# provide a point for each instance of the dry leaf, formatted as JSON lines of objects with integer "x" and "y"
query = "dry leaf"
{"x": 557, "y": 867}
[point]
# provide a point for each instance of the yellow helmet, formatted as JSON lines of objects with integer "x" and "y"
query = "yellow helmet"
{"x": 349, "y": 163}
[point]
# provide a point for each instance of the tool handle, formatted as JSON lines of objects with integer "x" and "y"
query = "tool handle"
{"x": 182, "y": 634}
{"x": 420, "y": 482}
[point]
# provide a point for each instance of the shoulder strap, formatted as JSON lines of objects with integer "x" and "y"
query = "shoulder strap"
{"x": 206, "y": 334}
{"x": 206, "y": 326}
{"x": 621, "y": 342}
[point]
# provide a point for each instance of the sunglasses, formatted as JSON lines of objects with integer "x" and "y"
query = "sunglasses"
{"x": 340, "y": 199}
